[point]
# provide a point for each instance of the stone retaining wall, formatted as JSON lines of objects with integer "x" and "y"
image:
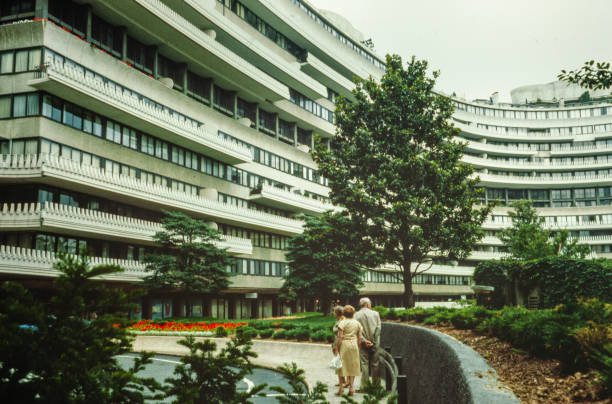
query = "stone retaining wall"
{"x": 440, "y": 369}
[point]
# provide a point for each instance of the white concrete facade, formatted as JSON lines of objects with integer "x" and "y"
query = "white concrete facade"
{"x": 113, "y": 111}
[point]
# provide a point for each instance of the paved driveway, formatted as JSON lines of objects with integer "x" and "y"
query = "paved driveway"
{"x": 163, "y": 366}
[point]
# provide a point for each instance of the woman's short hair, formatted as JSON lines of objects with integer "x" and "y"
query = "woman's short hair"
{"x": 338, "y": 310}
{"x": 348, "y": 311}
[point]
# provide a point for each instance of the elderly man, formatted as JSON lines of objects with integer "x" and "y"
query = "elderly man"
{"x": 370, "y": 321}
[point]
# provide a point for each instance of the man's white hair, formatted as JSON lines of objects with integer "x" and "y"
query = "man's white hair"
{"x": 364, "y": 301}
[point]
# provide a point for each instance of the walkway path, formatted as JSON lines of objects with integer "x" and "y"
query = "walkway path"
{"x": 313, "y": 358}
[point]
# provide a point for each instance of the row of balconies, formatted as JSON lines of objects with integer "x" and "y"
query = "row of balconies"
{"x": 532, "y": 150}
{"x": 92, "y": 223}
{"x": 66, "y": 75}
{"x": 533, "y": 165}
{"x": 56, "y": 170}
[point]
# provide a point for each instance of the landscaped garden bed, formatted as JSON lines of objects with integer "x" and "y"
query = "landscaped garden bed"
{"x": 556, "y": 355}
{"x": 197, "y": 329}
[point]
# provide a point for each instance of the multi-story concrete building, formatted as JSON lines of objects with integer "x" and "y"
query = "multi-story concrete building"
{"x": 111, "y": 111}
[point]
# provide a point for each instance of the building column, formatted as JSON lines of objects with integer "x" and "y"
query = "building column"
{"x": 183, "y": 67}
{"x": 211, "y": 88}
{"x": 295, "y": 135}
{"x": 276, "y": 118}
{"x": 155, "y": 51}
{"x": 88, "y": 25}
{"x": 311, "y": 140}
{"x": 328, "y": 143}
{"x": 41, "y": 9}
{"x": 124, "y": 42}
{"x": 257, "y": 117}
{"x": 235, "y": 109}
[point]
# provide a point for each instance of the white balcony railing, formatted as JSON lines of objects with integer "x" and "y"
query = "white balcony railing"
{"x": 88, "y": 84}
{"x": 57, "y": 216}
{"x": 52, "y": 166}
{"x": 24, "y": 261}
{"x": 277, "y": 197}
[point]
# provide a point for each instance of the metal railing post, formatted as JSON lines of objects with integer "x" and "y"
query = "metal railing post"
{"x": 402, "y": 389}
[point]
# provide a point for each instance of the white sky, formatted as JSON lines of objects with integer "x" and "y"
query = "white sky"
{"x": 483, "y": 46}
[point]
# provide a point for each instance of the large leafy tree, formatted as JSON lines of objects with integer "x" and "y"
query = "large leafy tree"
{"x": 592, "y": 75}
{"x": 187, "y": 258}
{"x": 528, "y": 239}
{"x": 325, "y": 260}
{"x": 52, "y": 353}
{"x": 395, "y": 166}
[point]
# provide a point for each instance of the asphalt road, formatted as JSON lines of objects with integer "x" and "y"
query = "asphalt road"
{"x": 163, "y": 366}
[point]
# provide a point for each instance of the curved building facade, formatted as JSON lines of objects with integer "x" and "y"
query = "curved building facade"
{"x": 111, "y": 111}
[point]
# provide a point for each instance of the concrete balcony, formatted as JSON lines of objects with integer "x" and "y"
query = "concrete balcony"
{"x": 542, "y": 182}
{"x": 306, "y": 119}
{"x": 532, "y": 165}
{"x": 278, "y": 198}
{"x": 16, "y": 261}
{"x": 306, "y": 32}
{"x": 71, "y": 220}
{"x": 328, "y": 76}
{"x": 72, "y": 84}
{"x": 165, "y": 26}
{"x": 51, "y": 169}
{"x": 487, "y": 255}
{"x": 236, "y": 34}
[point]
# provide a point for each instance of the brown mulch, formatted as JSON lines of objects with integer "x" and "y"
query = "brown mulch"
{"x": 533, "y": 380}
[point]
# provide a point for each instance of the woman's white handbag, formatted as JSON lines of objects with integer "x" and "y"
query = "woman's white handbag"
{"x": 336, "y": 363}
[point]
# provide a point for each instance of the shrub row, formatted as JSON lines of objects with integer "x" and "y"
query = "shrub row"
{"x": 299, "y": 333}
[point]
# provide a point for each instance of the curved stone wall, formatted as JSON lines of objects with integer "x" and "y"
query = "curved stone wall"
{"x": 440, "y": 369}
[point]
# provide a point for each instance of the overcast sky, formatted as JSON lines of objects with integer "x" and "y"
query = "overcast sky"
{"x": 483, "y": 46}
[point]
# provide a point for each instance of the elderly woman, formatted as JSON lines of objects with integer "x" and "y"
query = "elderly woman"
{"x": 339, "y": 317}
{"x": 349, "y": 340}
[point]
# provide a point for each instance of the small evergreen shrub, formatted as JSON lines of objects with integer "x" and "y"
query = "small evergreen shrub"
{"x": 280, "y": 334}
{"x": 320, "y": 336}
{"x": 220, "y": 332}
{"x": 247, "y": 331}
{"x": 267, "y": 333}
{"x": 302, "y": 334}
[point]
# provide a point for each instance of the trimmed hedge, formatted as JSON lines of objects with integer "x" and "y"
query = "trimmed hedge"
{"x": 560, "y": 280}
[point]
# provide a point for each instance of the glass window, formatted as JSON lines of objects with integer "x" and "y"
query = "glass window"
{"x": 33, "y": 105}
{"x": 6, "y": 62}
{"x": 34, "y": 59}
{"x": 19, "y": 106}
{"x": 5, "y": 107}
{"x": 21, "y": 61}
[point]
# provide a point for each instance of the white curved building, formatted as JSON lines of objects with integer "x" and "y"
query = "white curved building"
{"x": 111, "y": 111}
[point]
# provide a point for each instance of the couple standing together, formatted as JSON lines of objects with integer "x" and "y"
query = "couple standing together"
{"x": 357, "y": 337}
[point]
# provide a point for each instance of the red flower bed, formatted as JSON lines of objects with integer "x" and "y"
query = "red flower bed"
{"x": 148, "y": 325}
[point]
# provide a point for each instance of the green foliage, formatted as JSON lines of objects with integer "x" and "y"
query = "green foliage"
{"x": 220, "y": 332}
{"x": 261, "y": 325}
{"x": 206, "y": 378}
{"x": 280, "y": 334}
{"x": 497, "y": 274}
{"x": 247, "y": 331}
{"x": 594, "y": 76}
{"x": 561, "y": 279}
{"x": 322, "y": 336}
{"x": 51, "y": 353}
{"x": 603, "y": 359}
{"x": 584, "y": 97}
{"x": 299, "y": 393}
{"x": 266, "y": 333}
{"x": 375, "y": 393}
{"x": 396, "y": 168}
{"x": 302, "y": 333}
{"x": 527, "y": 239}
{"x": 325, "y": 261}
{"x": 187, "y": 257}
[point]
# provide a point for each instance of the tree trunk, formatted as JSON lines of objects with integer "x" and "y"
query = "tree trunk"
{"x": 325, "y": 305}
{"x": 408, "y": 296}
